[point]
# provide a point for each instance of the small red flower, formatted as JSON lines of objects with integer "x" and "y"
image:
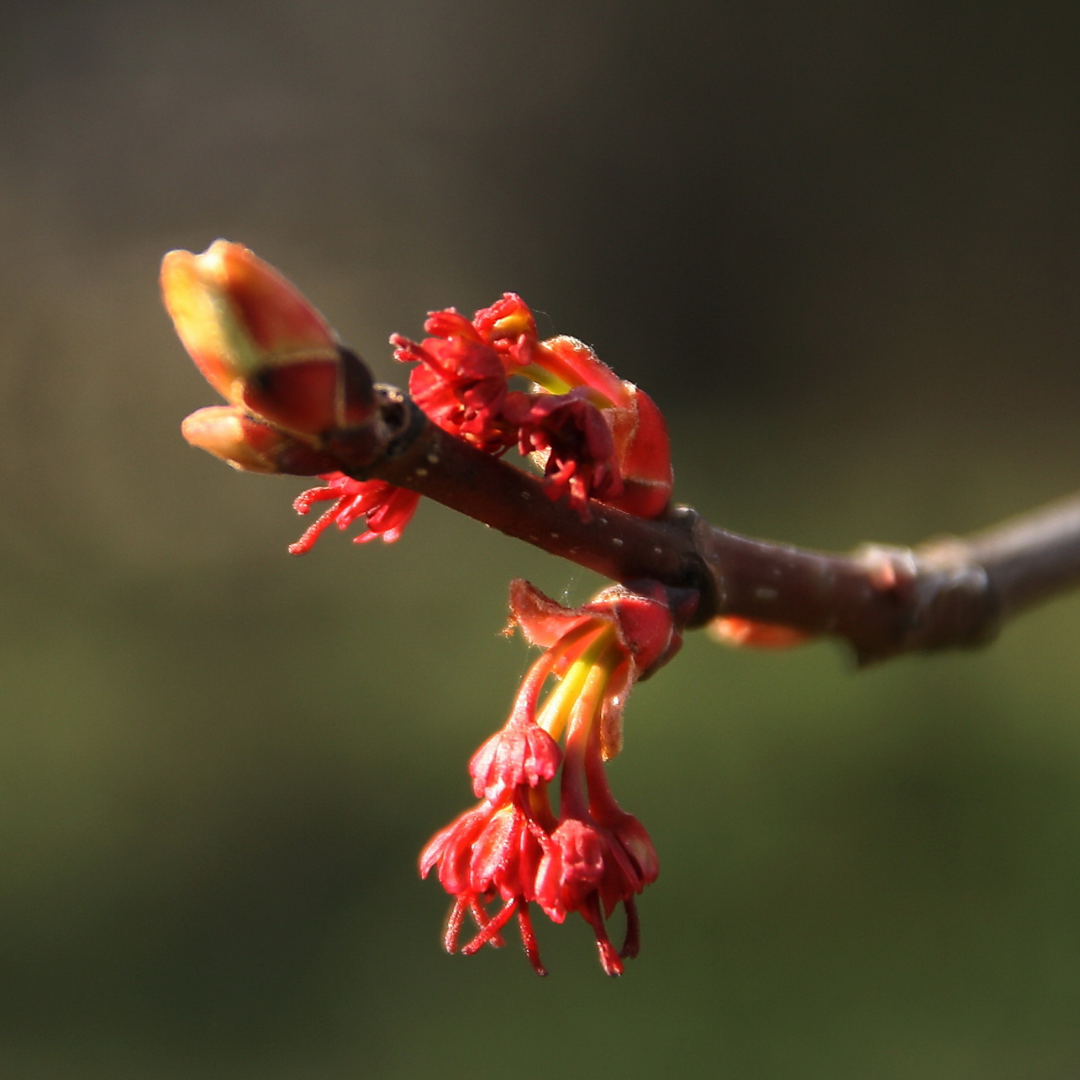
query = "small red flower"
{"x": 570, "y": 439}
{"x": 585, "y": 868}
{"x": 488, "y": 853}
{"x": 641, "y": 457}
{"x": 387, "y": 509}
{"x": 460, "y": 382}
{"x": 505, "y": 324}
{"x": 522, "y": 753}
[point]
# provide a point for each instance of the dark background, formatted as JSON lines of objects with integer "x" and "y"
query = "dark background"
{"x": 838, "y": 242}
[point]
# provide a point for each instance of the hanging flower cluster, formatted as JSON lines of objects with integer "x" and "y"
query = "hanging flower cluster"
{"x": 591, "y": 856}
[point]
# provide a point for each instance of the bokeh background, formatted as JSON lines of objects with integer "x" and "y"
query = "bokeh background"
{"x": 839, "y": 243}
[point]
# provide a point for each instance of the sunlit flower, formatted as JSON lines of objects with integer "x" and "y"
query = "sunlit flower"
{"x": 571, "y": 441}
{"x": 593, "y": 435}
{"x": 459, "y": 382}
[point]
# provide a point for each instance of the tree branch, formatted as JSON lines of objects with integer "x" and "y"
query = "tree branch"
{"x": 884, "y": 601}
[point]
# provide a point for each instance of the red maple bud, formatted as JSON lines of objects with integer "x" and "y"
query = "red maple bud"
{"x": 250, "y": 444}
{"x": 261, "y": 344}
{"x": 386, "y": 508}
{"x": 594, "y": 855}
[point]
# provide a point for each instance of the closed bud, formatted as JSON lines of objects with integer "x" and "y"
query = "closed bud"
{"x": 260, "y": 343}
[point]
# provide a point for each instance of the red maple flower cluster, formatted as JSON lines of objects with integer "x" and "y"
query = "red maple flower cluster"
{"x": 512, "y": 847}
{"x": 594, "y": 435}
{"x": 294, "y": 391}
{"x": 386, "y": 509}
{"x": 291, "y": 385}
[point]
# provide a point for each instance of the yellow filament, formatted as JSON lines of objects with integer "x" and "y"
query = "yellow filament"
{"x": 554, "y": 385}
{"x": 556, "y": 709}
{"x": 543, "y": 378}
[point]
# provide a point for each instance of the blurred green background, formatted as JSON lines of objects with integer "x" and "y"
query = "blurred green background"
{"x": 838, "y": 242}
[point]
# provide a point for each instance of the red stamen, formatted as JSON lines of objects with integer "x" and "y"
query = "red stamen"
{"x": 453, "y": 923}
{"x": 491, "y": 929}
{"x": 609, "y": 958}
{"x": 481, "y": 918}
{"x": 528, "y": 939}
{"x": 313, "y": 532}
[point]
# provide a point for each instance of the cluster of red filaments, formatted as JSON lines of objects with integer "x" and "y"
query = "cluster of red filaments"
{"x": 387, "y": 509}
{"x": 513, "y": 849}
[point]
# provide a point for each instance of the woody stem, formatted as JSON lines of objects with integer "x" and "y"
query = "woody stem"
{"x": 884, "y": 601}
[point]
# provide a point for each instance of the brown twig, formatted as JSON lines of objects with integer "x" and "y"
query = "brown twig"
{"x": 884, "y": 601}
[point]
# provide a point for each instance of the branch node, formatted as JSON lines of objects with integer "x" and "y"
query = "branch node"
{"x": 956, "y": 605}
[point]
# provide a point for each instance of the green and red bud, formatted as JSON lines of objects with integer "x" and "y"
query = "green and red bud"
{"x": 260, "y": 343}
